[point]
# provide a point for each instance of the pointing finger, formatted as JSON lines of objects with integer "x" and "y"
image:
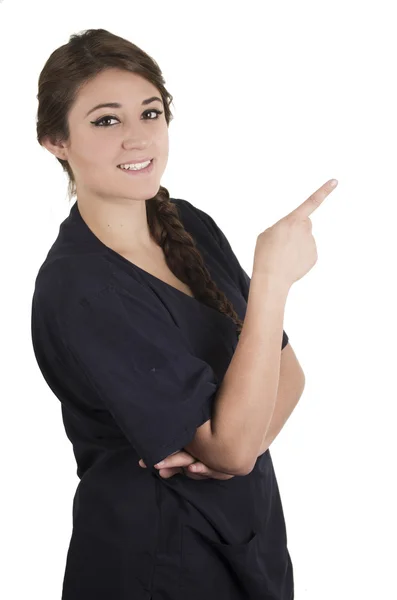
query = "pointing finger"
{"x": 315, "y": 200}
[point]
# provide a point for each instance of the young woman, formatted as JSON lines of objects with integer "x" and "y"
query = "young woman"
{"x": 158, "y": 344}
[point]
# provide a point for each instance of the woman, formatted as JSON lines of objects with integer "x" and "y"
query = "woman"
{"x": 136, "y": 315}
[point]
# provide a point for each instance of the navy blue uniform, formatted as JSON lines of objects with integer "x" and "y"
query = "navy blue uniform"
{"x": 136, "y": 365}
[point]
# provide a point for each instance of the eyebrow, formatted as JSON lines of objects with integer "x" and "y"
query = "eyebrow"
{"x": 118, "y": 105}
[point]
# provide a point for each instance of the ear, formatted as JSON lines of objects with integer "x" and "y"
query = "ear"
{"x": 57, "y": 149}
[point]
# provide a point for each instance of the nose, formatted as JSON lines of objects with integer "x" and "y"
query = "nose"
{"x": 136, "y": 138}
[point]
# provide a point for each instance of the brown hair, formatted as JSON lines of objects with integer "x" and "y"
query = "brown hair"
{"x": 68, "y": 68}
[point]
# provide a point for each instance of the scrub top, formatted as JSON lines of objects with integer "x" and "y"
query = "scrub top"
{"x": 136, "y": 365}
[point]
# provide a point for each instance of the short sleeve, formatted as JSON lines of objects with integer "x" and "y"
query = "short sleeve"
{"x": 243, "y": 279}
{"x": 142, "y": 371}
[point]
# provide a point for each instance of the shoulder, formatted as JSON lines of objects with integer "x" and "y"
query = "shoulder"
{"x": 73, "y": 288}
{"x": 63, "y": 283}
{"x": 198, "y": 220}
{"x": 187, "y": 208}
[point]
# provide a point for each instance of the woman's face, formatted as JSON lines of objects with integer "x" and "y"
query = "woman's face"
{"x": 109, "y": 136}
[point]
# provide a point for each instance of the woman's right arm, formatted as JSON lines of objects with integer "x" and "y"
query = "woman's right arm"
{"x": 231, "y": 440}
{"x": 244, "y": 404}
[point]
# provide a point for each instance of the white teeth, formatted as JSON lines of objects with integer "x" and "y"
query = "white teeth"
{"x": 136, "y": 166}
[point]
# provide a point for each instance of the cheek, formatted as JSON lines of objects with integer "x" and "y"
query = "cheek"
{"x": 95, "y": 165}
{"x": 94, "y": 148}
{"x": 163, "y": 152}
{"x": 166, "y": 142}
{"x": 100, "y": 154}
{"x": 161, "y": 140}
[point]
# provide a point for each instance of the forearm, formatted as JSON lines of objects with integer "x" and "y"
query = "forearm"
{"x": 246, "y": 399}
{"x": 290, "y": 389}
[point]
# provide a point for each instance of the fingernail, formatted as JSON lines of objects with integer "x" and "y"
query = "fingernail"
{"x": 160, "y": 464}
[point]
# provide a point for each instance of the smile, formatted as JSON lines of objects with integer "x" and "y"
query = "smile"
{"x": 145, "y": 170}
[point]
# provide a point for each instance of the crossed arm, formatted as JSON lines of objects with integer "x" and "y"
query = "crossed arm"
{"x": 290, "y": 388}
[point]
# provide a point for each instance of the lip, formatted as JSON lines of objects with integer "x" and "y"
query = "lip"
{"x": 132, "y": 162}
{"x": 140, "y": 173}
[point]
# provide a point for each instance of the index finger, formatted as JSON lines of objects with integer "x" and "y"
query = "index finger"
{"x": 180, "y": 458}
{"x": 315, "y": 200}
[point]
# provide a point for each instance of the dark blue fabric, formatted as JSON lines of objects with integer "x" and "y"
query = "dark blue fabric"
{"x": 136, "y": 365}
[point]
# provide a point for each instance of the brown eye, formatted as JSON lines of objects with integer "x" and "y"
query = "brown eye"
{"x": 154, "y": 110}
{"x": 101, "y": 122}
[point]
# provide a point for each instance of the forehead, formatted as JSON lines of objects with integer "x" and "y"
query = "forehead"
{"x": 114, "y": 85}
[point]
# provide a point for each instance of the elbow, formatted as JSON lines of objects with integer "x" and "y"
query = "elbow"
{"x": 246, "y": 470}
{"x": 225, "y": 463}
{"x": 218, "y": 456}
{"x": 240, "y": 468}
{"x": 231, "y": 464}
{"x": 236, "y": 470}
{"x": 247, "y": 467}
{"x": 230, "y": 467}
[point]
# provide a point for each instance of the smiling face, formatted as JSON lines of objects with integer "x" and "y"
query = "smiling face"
{"x": 109, "y": 136}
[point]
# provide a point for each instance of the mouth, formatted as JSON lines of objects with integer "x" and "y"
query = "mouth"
{"x": 147, "y": 169}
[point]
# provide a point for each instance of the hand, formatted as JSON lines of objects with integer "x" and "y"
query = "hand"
{"x": 182, "y": 462}
{"x": 286, "y": 251}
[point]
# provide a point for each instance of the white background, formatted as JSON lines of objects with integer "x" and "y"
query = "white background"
{"x": 270, "y": 101}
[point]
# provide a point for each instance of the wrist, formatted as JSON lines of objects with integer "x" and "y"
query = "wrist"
{"x": 271, "y": 282}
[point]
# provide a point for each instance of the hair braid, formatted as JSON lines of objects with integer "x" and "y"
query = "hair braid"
{"x": 182, "y": 255}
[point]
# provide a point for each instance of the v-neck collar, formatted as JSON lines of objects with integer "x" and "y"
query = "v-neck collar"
{"x": 79, "y": 238}
{"x": 86, "y": 235}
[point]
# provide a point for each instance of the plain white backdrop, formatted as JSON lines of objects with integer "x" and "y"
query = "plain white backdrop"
{"x": 270, "y": 101}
